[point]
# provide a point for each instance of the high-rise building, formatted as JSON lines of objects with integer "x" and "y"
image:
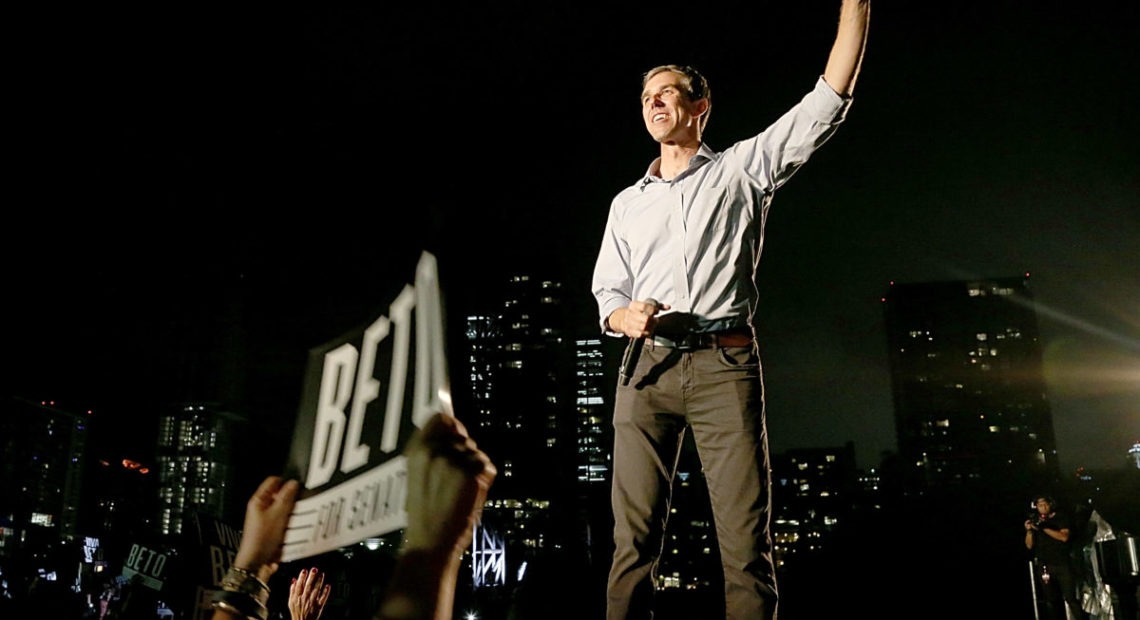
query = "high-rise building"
{"x": 593, "y": 405}
{"x": 690, "y": 558}
{"x": 42, "y": 459}
{"x": 969, "y": 395}
{"x": 520, "y": 365}
{"x": 521, "y": 371}
{"x": 195, "y": 457}
{"x": 813, "y": 490}
{"x": 483, "y": 342}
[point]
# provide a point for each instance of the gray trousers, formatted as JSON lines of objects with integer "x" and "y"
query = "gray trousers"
{"x": 718, "y": 393}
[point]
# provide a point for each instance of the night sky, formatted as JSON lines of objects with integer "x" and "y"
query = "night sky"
{"x": 172, "y": 160}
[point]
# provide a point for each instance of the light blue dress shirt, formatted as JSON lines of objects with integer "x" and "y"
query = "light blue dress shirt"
{"x": 694, "y": 241}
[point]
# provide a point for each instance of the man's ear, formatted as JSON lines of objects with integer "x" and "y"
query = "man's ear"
{"x": 701, "y": 107}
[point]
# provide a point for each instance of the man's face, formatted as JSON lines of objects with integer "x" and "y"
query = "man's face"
{"x": 1043, "y": 507}
{"x": 668, "y": 114}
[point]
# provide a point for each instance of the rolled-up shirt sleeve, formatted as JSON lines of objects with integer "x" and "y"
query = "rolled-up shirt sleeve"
{"x": 613, "y": 281}
{"x": 772, "y": 157}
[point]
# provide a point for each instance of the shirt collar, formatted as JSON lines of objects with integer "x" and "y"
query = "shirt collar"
{"x": 653, "y": 173}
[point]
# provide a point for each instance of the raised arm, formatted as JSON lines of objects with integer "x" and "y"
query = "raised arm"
{"x": 448, "y": 479}
{"x": 847, "y": 52}
{"x": 245, "y": 589}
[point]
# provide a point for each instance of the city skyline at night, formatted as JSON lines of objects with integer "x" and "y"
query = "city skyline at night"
{"x": 205, "y": 197}
{"x": 828, "y": 515}
{"x": 980, "y": 143}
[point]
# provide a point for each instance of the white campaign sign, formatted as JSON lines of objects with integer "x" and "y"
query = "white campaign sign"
{"x": 355, "y": 417}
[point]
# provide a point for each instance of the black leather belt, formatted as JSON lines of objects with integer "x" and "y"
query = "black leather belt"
{"x": 705, "y": 340}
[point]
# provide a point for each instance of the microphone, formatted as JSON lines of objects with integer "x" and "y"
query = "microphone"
{"x": 633, "y": 350}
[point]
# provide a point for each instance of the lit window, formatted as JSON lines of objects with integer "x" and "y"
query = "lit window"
{"x": 44, "y": 519}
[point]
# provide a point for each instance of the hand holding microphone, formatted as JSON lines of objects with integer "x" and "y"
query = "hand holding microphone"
{"x": 636, "y": 322}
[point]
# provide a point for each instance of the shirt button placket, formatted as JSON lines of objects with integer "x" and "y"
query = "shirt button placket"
{"x": 681, "y": 266}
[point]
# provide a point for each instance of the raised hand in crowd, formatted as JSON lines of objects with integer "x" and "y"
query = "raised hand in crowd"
{"x": 448, "y": 479}
{"x": 308, "y": 594}
{"x": 245, "y": 587}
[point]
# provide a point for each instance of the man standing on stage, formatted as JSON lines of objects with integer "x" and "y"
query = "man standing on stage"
{"x": 684, "y": 242}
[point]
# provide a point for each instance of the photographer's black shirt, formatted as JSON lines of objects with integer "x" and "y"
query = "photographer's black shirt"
{"x": 1049, "y": 549}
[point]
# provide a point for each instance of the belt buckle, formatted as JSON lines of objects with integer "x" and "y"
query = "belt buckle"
{"x": 691, "y": 342}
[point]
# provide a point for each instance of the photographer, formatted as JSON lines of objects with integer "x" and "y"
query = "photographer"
{"x": 1047, "y": 536}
